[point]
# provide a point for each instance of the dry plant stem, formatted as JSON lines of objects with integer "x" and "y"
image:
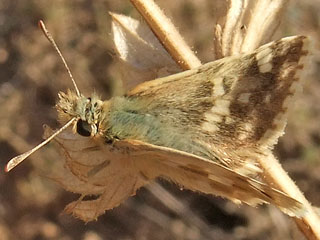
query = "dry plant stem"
{"x": 274, "y": 172}
{"x": 259, "y": 32}
{"x": 167, "y": 34}
{"x": 233, "y": 17}
{"x": 247, "y": 26}
{"x": 276, "y": 175}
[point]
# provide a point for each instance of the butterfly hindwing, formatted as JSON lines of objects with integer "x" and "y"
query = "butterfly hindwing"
{"x": 131, "y": 164}
{"x": 199, "y": 174}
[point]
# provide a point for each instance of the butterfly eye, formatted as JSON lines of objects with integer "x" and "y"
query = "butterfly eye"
{"x": 83, "y": 128}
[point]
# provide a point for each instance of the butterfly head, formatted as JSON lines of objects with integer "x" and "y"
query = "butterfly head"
{"x": 74, "y": 109}
{"x": 86, "y": 111}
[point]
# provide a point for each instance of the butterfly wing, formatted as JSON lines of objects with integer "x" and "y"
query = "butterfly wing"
{"x": 199, "y": 174}
{"x": 235, "y": 107}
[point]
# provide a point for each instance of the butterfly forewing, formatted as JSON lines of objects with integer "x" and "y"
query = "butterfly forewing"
{"x": 233, "y": 108}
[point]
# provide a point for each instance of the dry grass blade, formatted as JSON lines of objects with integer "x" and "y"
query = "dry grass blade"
{"x": 263, "y": 22}
{"x": 248, "y": 25}
{"x": 167, "y": 34}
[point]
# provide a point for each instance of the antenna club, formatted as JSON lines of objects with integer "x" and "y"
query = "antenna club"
{"x": 40, "y": 23}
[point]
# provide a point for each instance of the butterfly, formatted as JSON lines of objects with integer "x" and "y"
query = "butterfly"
{"x": 203, "y": 129}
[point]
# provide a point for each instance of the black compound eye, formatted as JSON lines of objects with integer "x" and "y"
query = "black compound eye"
{"x": 83, "y": 128}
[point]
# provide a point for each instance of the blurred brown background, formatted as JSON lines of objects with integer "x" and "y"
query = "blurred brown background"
{"x": 31, "y": 75}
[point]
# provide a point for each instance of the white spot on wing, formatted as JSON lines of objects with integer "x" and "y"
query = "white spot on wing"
{"x": 267, "y": 67}
{"x": 229, "y": 120}
{"x": 285, "y": 70}
{"x": 210, "y": 127}
{"x": 247, "y": 126}
{"x": 267, "y": 98}
{"x": 244, "y": 97}
{"x": 264, "y": 58}
{"x": 216, "y": 114}
{"x": 271, "y": 136}
{"x": 221, "y": 107}
{"x": 242, "y": 136}
{"x": 246, "y": 130}
{"x": 218, "y": 89}
{"x": 212, "y": 117}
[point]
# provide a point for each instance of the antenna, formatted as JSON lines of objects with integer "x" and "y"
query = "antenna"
{"x": 18, "y": 159}
{"x": 51, "y": 40}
